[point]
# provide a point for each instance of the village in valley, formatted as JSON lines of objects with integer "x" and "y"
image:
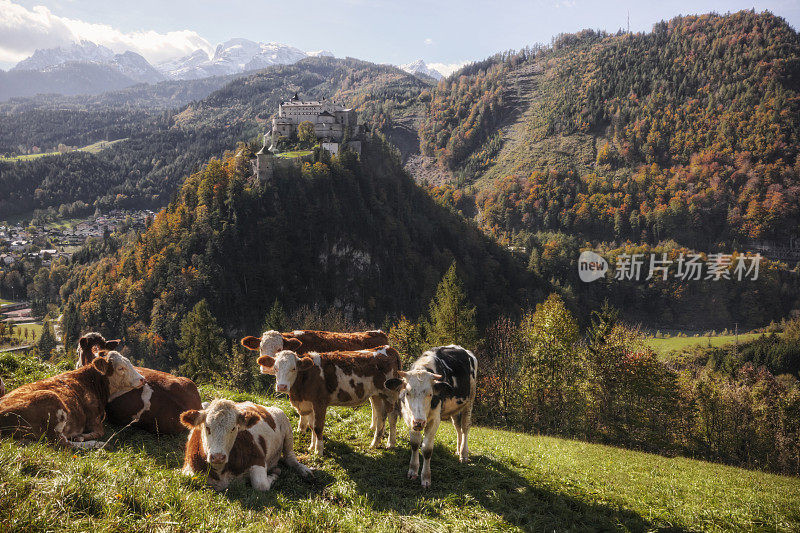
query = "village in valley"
{"x": 34, "y": 246}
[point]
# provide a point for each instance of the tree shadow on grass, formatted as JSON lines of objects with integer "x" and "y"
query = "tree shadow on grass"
{"x": 484, "y": 482}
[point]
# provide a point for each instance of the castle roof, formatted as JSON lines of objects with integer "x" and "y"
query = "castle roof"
{"x": 325, "y": 114}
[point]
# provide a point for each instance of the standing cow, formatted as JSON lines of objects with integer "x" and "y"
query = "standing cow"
{"x": 439, "y": 385}
{"x": 239, "y": 439}
{"x": 157, "y": 406}
{"x": 337, "y": 378}
{"x": 303, "y": 341}
{"x": 69, "y": 408}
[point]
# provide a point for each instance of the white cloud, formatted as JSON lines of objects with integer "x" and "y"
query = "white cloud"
{"x": 428, "y": 41}
{"x": 22, "y": 31}
{"x": 445, "y": 69}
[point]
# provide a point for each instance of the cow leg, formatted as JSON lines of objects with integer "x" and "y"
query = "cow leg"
{"x": 459, "y": 434}
{"x": 378, "y": 420}
{"x": 466, "y": 421}
{"x": 413, "y": 467}
{"x": 260, "y": 479}
{"x": 291, "y": 459}
{"x": 320, "y": 411}
{"x": 373, "y": 402}
{"x": 427, "y": 451}
{"x": 391, "y": 409}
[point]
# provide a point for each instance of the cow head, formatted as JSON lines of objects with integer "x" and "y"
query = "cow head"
{"x": 286, "y": 365}
{"x": 121, "y": 374}
{"x": 90, "y": 345}
{"x": 270, "y": 343}
{"x": 417, "y": 389}
{"x": 219, "y": 425}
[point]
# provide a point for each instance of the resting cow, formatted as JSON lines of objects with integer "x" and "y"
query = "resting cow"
{"x": 239, "y": 439}
{"x": 69, "y": 408}
{"x": 440, "y": 385}
{"x": 337, "y": 378}
{"x": 305, "y": 341}
{"x": 158, "y": 405}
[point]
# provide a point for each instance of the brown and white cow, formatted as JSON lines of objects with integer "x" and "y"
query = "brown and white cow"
{"x": 69, "y": 408}
{"x": 157, "y": 406}
{"x": 304, "y": 341}
{"x": 343, "y": 378}
{"x": 440, "y": 385}
{"x": 229, "y": 440}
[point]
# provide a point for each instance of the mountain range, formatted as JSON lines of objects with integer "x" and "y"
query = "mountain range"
{"x": 89, "y": 68}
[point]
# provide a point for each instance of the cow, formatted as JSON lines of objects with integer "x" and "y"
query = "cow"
{"x": 157, "y": 406}
{"x": 229, "y": 440}
{"x": 439, "y": 385}
{"x": 304, "y": 341}
{"x": 68, "y": 409}
{"x": 343, "y": 378}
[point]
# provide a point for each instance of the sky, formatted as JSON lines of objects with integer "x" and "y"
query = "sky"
{"x": 445, "y": 33}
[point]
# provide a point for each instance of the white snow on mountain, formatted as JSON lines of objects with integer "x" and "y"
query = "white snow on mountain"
{"x": 129, "y": 64}
{"x": 231, "y": 57}
{"x": 420, "y": 67}
{"x": 320, "y": 53}
{"x": 50, "y": 57}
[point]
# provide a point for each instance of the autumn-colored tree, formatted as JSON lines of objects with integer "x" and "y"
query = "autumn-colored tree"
{"x": 306, "y": 135}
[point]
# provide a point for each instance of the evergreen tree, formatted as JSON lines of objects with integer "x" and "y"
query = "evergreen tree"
{"x": 202, "y": 345}
{"x": 276, "y": 318}
{"x": 451, "y": 317}
{"x": 70, "y": 325}
{"x": 47, "y": 342}
{"x": 407, "y": 338}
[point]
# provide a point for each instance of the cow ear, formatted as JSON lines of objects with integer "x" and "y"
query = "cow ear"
{"x": 247, "y": 419}
{"x": 266, "y": 361}
{"x": 440, "y": 387}
{"x": 83, "y": 343}
{"x": 393, "y": 384}
{"x": 251, "y": 343}
{"x": 192, "y": 418}
{"x": 112, "y": 345}
{"x": 102, "y": 365}
{"x": 305, "y": 363}
{"x": 292, "y": 344}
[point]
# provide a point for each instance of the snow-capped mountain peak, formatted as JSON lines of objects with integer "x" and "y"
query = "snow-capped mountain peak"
{"x": 231, "y": 57}
{"x": 320, "y": 53}
{"x": 420, "y": 67}
{"x": 84, "y": 51}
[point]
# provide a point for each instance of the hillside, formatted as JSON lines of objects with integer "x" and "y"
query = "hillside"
{"x": 145, "y": 170}
{"x": 354, "y": 234}
{"x": 687, "y": 132}
{"x": 514, "y": 482}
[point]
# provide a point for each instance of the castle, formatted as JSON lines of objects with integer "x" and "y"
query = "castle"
{"x": 334, "y": 126}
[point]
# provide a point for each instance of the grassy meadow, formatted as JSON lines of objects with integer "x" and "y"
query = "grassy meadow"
{"x": 671, "y": 344}
{"x": 514, "y": 482}
{"x": 91, "y": 148}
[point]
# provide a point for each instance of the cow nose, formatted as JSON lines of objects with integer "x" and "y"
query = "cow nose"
{"x": 141, "y": 382}
{"x": 419, "y": 424}
{"x": 217, "y": 458}
{"x": 281, "y": 388}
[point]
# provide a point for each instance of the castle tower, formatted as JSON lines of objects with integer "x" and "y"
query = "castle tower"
{"x": 265, "y": 162}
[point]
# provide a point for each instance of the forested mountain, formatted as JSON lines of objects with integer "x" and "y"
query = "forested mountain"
{"x": 352, "y": 233}
{"x": 145, "y": 170}
{"x": 690, "y": 131}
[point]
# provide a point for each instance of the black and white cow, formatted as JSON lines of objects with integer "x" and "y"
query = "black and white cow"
{"x": 439, "y": 385}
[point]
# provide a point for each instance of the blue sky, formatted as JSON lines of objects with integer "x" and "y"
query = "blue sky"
{"x": 446, "y": 32}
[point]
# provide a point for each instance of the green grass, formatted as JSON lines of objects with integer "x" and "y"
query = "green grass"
{"x": 295, "y": 153}
{"x": 671, "y": 344}
{"x": 91, "y": 148}
{"x": 514, "y": 482}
